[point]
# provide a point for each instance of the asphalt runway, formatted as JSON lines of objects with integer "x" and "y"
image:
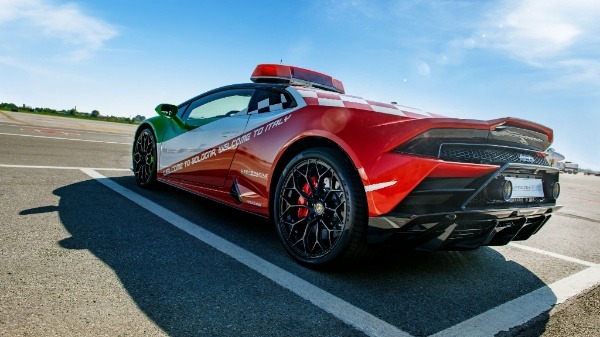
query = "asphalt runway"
{"x": 84, "y": 251}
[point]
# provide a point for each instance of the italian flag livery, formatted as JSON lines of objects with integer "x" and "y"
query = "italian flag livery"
{"x": 340, "y": 175}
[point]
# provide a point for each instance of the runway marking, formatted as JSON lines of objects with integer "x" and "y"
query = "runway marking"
{"x": 73, "y": 130}
{"x": 63, "y": 138}
{"x": 521, "y": 310}
{"x": 63, "y": 167}
{"x": 555, "y": 255}
{"x": 356, "y": 317}
{"x": 108, "y": 130}
{"x": 50, "y": 131}
{"x": 501, "y": 318}
{"x": 578, "y": 217}
{"x": 14, "y": 119}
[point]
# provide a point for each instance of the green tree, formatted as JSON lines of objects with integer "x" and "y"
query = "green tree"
{"x": 95, "y": 113}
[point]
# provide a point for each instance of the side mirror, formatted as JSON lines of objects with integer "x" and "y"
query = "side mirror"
{"x": 166, "y": 110}
{"x": 170, "y": 111}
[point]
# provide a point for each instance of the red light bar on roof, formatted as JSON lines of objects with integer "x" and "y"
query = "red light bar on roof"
{"x": 295, "y": 75}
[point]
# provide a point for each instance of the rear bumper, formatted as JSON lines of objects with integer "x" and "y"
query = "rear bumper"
{"x": 451, "y": 213}
{"x": 460, "y": 230}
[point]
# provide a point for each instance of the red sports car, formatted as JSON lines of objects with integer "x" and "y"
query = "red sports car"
{"x": 340, "y": 175}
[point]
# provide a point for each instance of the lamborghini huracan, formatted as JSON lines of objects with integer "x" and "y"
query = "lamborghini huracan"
{"x": 340, "y": 175}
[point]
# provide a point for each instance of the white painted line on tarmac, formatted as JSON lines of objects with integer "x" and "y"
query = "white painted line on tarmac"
{"x": 64, "y": 167}
{"x": 520, "y": 310}
{"x": 63, "y": 138}
{"x": 339, "y": 308}
{"x": 555, "y": 255}
{"x": 501, "y": 318}
{"x": 31, "y": 127}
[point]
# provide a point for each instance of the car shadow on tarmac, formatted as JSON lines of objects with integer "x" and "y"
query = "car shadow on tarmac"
{"x": 188, "y": 288}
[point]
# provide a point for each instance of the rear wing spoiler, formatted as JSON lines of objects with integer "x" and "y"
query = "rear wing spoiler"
{"x": 523, "y": 124}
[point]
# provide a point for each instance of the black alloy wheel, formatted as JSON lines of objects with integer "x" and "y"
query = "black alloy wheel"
{"x": 320, "y": 208}
{"x": 144, "y": 159}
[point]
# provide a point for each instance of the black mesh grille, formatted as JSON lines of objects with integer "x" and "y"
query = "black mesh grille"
{"x": 471, "y": 153}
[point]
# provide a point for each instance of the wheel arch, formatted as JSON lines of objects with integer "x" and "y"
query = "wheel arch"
{"x": 305, "y": 143}
{"x": 157, "y": 124}
{"x": 147, "y": 124}
{"x": 140, "y": 128}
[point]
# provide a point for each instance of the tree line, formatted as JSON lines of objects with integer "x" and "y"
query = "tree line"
{"x": 94, "y": 114}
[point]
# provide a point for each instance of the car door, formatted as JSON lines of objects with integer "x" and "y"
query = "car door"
{"x": 269, "y": 111}
{"x": 214, "y": 123}
{"x": 269, "y": 104}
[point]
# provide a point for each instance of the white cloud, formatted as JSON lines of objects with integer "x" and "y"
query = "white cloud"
{"x": 534, "y": 31}
{"x": 572, "y": 73}
{"x": 66, "y": 22}
{"x": 559, "y": 37}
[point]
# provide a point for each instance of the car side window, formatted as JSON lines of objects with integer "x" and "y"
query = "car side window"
{"x": 218, "y": 105}
{"x": 267, "y": 100}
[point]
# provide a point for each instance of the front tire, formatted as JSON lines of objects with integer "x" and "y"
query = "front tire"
{"x": 144, "y": 159}
{"x": 320, "y": 208}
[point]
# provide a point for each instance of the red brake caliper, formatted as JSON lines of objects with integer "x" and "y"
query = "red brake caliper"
{"x": 303, "y": 212}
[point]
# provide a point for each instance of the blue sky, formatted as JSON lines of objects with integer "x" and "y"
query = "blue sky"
{"x": 537, "y": 60}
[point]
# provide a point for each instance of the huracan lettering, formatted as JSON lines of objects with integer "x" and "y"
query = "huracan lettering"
{"x": 255, "y": 174}
{"x": 253, "y": 203}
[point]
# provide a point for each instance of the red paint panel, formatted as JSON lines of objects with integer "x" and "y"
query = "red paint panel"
{"x": 408, "y": 171}
{"x": 324, "y": 94}
{"x": 311, "y": 100}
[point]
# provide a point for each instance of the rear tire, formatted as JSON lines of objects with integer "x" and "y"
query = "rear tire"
{"x": 144, "y": 159}
{"x": 320, "y": 209}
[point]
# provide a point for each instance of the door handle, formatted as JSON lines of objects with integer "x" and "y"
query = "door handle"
{"x": 229, "y": 133}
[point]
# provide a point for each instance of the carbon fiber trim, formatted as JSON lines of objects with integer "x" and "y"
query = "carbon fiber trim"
{"x": 465, "y": 230}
